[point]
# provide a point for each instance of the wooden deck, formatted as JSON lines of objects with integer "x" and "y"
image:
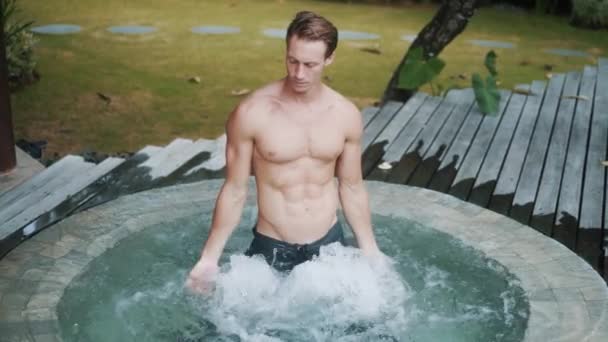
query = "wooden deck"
{"x": 538, "y": 161}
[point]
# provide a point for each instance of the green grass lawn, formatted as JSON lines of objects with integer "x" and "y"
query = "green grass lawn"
{"x": 147, "y": 76}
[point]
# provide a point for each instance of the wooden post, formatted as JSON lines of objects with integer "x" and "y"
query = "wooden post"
{"x": 8, "y": 160}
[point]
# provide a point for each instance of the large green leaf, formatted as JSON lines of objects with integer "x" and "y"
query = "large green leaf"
{"x": 417, "y": 71}
{"x": 486, "y": 94}
{"x": 490, "y": 63}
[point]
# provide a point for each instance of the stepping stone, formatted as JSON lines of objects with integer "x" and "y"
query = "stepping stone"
{"x": 355, "y": 35}
{"x": 342, "y": 35}
{"x": 275, "y": 33}
{"x": 409, "y": 37}
{"x": 567, "y": 52}
{"x": 132, "y": 29}
{"x": 216, "y": 30}
{"x": 492, "y": 44}
{"x": 56, "y": 29}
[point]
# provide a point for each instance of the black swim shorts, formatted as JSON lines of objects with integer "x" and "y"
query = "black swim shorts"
{"x": 284, "y": 256}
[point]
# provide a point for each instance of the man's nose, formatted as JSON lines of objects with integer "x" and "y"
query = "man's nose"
{"x": 299, "y": 71}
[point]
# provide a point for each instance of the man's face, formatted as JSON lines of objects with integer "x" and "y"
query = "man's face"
{"x": 305, "y": 61}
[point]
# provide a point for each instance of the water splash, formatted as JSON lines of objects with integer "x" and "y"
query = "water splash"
{"x": 339, "y": 296}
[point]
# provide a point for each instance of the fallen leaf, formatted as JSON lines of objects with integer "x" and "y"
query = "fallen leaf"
{"x": 523, "y": 91}
{"x": 373, "y": 50}
{"x": 240, "y": 92}
{"x": 605, "y": 163}
{"x": 104, "y": 97}
{"x": 595, "y": 51}
{"x": 194, "y": 79}
{"x": 548, "y": 75}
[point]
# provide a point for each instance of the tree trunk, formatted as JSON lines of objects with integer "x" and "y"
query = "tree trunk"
{"x": 451, "y": 19}
{"x": 7, "y": 146}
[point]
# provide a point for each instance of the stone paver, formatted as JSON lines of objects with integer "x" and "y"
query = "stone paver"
{"x": 568, "y": 300}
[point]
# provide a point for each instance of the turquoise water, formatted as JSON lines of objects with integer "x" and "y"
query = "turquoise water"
{"x": 435, "y": 290}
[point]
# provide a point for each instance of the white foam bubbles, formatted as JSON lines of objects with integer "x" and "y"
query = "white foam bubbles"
{"x": 338, "y": 296}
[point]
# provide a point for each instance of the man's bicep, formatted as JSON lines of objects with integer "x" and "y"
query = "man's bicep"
{"x": 239, "y": 149}
{"x": 349, "y": 163}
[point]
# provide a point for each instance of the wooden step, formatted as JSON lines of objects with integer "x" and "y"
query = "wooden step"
{"x": 17, "y": 219}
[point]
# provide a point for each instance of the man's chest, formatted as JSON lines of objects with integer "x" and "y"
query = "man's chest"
{"x": 282, "y": 140}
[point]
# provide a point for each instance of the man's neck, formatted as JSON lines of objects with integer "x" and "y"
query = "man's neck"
{"x": 307, "y": 98}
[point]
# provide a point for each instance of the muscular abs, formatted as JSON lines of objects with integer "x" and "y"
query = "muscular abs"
{"x": 294, "y": 164}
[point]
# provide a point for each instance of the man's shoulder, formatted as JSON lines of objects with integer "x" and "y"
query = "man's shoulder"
{"x": 343, "y": 105}
{"x": 348, "y": 112}
{"x": 260, "y": 99}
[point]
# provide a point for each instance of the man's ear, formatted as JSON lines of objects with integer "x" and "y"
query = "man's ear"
{"x": 330, "y": 59}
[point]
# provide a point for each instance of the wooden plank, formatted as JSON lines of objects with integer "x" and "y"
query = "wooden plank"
{"x": 38, "y": 181}
{"x": 525, "y": 193}
{"x": 593, "y": 201}
{"x": 568, "y": 208}
{"x": 69, "y": 170}
{"x": 375, "y": 126}
{"x": 442, "y": 179}
{"x": 543, "y": 214}
{"x": 509, "y": 175}
{"x": 79, "y": 181}
{"x": 207, "y": 153}
{"x": 26, "y": 168}
{"x": 217, "y": 158}
{"x": 432, "y": 157}
{"x": 603, "y": 69}
{"x": 490, "y": 169}
{"x": 116, "y": 183}
{"x": 406, "y": 166}
{"x": 465, "y": 177}
{"x": 406, "y": 137}
{"x": 379, "y": 146}
{"x": 368, "y": 114}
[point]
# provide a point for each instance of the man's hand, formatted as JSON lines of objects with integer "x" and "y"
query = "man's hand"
{"x": 202, "y": 277}
{"x": 372, "y": 253}
{"x": 376, "y": 257}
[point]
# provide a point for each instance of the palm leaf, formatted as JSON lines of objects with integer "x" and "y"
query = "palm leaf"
{"x": 416, "y": 71}
{"x": 490, "y": 63}
{"x": 486, "y": 94}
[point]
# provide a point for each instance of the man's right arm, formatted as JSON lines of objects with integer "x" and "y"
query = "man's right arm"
{"x": 232, "y": 195}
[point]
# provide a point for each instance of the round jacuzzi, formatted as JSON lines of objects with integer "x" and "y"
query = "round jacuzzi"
{"x": 457, "y": 272}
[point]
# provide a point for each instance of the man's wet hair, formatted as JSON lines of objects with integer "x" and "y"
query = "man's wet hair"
{"x": 313, "y": 27}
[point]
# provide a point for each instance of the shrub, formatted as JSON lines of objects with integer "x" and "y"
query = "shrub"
{"x": 590, "y": 13}
{"x": 19, "y": 44}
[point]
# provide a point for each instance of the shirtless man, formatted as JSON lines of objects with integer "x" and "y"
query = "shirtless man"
{"x": 296, "y": 134}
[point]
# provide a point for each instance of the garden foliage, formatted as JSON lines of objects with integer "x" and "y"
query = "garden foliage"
{"x": 590, "y": 13}
{"x": 19, "y": 44}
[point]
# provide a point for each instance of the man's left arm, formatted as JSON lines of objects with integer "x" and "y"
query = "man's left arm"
{"x": 353, "y": 195}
